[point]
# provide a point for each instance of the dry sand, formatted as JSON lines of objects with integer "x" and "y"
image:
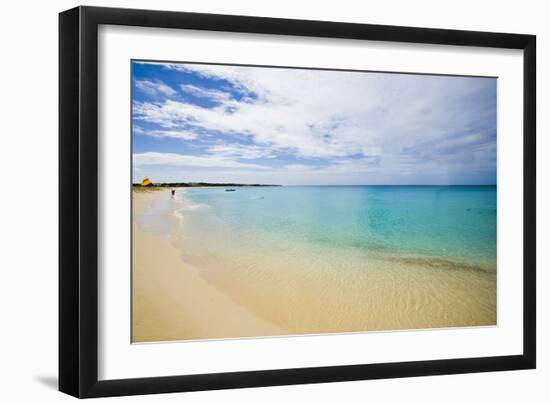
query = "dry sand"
{"x": 175, "y": 300}
{"x": 170, "y": 300}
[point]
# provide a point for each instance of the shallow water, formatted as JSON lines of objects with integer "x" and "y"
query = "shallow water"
{"x": 340, "y": 259}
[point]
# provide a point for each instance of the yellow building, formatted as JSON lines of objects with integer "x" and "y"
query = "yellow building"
{"x": 146, "y": 182}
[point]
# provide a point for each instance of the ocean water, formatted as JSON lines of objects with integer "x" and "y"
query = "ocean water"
{"x": 455, "y": 223}
{"x": 342, "y": 258}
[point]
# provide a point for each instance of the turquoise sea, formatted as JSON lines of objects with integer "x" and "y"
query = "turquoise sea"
{"x": 451, "y": 222}
{"x": 315, "y": 259}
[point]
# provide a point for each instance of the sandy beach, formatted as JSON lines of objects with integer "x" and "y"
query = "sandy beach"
{"x": 171, "y": 301}
{"x": 196, "y": 278}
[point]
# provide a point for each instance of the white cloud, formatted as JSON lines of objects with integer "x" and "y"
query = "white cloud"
{"x": 246, "y": 152}
{"x": 388, "y": 124}
{"x": 154, "y": 87}
{"x": 178, "y": 134}
{"x": 215, "y": 95}
{"x": 169, "y": 167}
{"x": 324, "y": 114}
{"x": 174, "y": 159}
{"x": 138, "y": 130}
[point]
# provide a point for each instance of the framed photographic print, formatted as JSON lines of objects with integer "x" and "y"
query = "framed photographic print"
{"x": 250, "y": 201}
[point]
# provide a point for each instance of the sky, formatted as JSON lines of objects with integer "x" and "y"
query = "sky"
{"x": 225, "y": 123}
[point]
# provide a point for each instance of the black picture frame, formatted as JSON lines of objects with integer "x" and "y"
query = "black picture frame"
{"x": 78, "y": 201}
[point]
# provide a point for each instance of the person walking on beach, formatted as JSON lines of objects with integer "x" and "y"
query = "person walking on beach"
{"x": 173, "y": 191}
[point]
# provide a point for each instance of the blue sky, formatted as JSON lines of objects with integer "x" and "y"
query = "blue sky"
{"x": 195, "y": 122}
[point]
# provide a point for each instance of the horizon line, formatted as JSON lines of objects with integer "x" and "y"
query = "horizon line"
{"x": 326, "y": 185}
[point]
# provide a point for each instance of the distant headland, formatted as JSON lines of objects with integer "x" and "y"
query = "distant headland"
{"x": 202, "y": 184}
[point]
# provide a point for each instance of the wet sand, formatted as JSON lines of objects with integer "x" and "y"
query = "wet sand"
{"x": 206, "y": 284}
{"x": 170, "y": 301}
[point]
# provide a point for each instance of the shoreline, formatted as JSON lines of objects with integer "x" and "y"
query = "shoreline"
{"x": 170, "y": 300}
{"x": 314, "y": 295}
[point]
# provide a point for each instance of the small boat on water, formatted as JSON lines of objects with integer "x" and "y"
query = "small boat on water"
{"x": 230, "y": 190}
